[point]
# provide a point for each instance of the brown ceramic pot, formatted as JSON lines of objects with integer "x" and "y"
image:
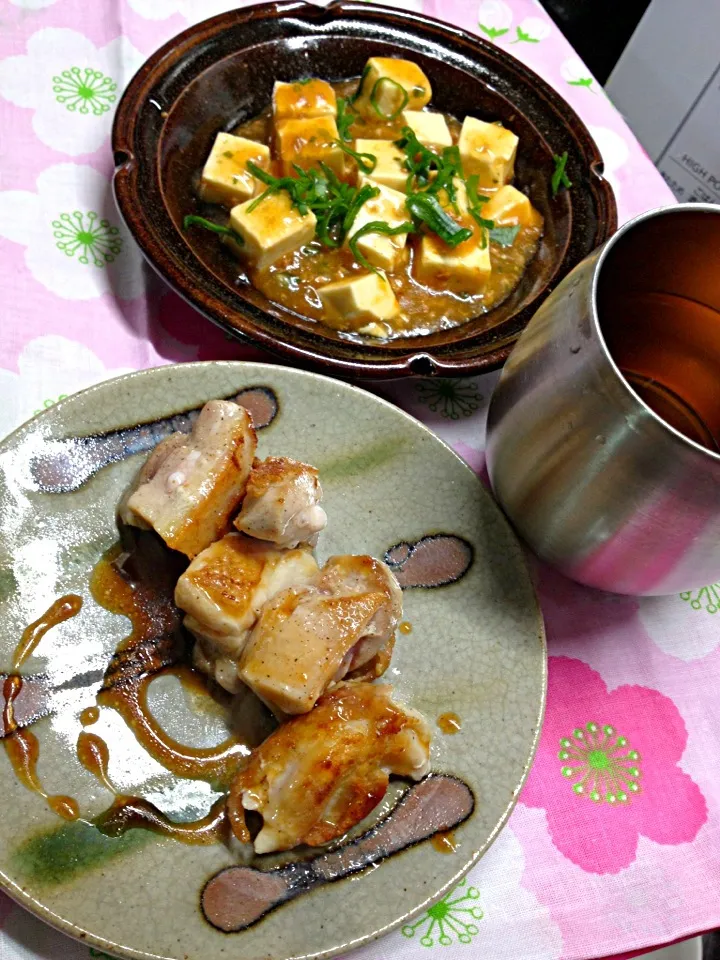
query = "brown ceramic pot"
{"x": 221, "y": 72}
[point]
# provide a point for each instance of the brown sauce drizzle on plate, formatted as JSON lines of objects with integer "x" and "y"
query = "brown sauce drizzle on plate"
{"x": 445, "y": 842}
{"x": 449, "y": 722}
{"x": 154, "y": 646}
{"x": 94, "y": 755}
{"x": 63, "y": 609}
{"x": 89, "y": 716}
{"x": 127, "y": 813}
{"x": 22, "y": 746}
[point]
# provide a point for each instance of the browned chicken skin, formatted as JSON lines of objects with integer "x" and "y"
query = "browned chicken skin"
{"x": 223, "y": 591}
{"x": 282, "y": 503}
{"x": 319, "y": 774}
{"x": 309, "y": 637}
{"x": 190, "y": 490}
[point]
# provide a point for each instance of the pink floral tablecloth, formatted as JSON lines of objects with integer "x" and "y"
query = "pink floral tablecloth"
{"x": 614, "y": 844}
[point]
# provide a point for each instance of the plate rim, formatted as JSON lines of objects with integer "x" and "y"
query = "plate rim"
{"x": 18, "y": 892}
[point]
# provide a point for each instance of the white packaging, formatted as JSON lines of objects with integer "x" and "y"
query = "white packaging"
{"x": 667, "y": 86}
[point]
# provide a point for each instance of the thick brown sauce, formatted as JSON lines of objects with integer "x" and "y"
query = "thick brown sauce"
{"x": 445, "y": 842}
{"x": 293, "y": 280}
{"x": 213, "y": 763}
{"x": 128, "y": 813}
{"x": 63, "y": 609}
{"x": 449, "y": 722}
{"x": 89, "y": 716}
{"x": 22, "y": 746}
{"x": 148, "y": 606}
{"x": 94, "y": 755}
{"x": 147, "y": 616}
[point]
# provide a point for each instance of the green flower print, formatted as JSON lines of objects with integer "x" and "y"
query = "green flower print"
{"x": 448, "y": 921}
{"x": 85, "y": 90}
{"x": 523, "y": 37}
{"x": 493, "y": 32}
{"x": 582, "y": 82}
{"x": 452, "y": 398}
{"x": 88, "y": 237}
{"x": 49, "y": 403}
{"x": 603, "y": 765}
{"x": 705, "y": 598}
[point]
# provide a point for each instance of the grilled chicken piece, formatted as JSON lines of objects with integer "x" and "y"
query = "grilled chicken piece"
{"x": 197, "y": 485}
{"x": 318, "y": 775}
{"x": 282, "y": 503}
{"x": 145, "y": 475}
{"x": 223, "y": 590}
{"x": 306, "y": 638}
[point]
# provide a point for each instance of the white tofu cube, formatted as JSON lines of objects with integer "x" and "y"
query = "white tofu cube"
{"x": 272, "y": 229}
{"x": 431, "y": 129}
{"x": 225, "y": 178}
{"x": 305, "y": 98}
{"x": 462, "y": 269}
{"x": 508, "y": 207}
{"x": 358, "y": 301}
{"x": 306, "y": 142}
{"x": 388, "y": 85}
{"x": 390, "y": 168}
{"x": 382, "y": 251}
{"x": 488, "y": 150}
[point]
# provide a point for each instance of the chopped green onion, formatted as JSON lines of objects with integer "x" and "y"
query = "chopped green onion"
{"x": 259, "y": 199}
{"x": 474, "y": 198}
{"x": 475, "y": 201}
{"x": 262, "y": 175}
{"x": 429, "y": 171}
{"x": 365, "y": 193}
{"x": 426, "y": 208}
{"x": 334, "y": 203}
{"x": 344, "y": 119}
{"x": 419, "y": 159}
{"x": 361, "y": 82}
{"x": 192, "y": 220}
{"x": 375, "y": 226}
{"x": 560, "y": 177}
{"x": 374, "y": 99}
{"x": 365, "y": 161}
{"x": 504, "y": 236}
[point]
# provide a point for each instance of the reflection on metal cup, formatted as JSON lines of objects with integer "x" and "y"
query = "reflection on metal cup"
{"x": 604, "y": 429}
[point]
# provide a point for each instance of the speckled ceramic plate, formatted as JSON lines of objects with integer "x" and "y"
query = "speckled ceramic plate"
{"x": 475, "y": 649}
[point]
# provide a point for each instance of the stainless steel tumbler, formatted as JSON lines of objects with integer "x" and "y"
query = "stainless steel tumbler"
{"x": 604, "y": 429}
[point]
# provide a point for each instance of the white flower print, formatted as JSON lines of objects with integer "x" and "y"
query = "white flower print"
{"x": 615, "y": 153}
{"x": 192, "y": 10}
{"x": 75, "y": 242}
{"x": 494, "y": 18}
{"x": 685, "y": 625}
{"x": 576, "y": 74}
{"x": 531, "y": 30}
{"x": 49, "y": 369}
{"x": 71, "y": 85}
